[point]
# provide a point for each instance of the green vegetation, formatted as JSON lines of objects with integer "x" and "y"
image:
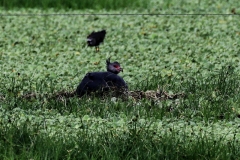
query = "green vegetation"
{"x": 74, "y": 4}
{"x": 193, "y": 56}
{"x": 143, "y": 6}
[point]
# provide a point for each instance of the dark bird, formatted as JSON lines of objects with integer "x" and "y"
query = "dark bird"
{"x": 102, "y": 81}
{"x": 95, "y": 38}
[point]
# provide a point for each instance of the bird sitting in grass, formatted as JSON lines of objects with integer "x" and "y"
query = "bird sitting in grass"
{"x": 95, "y": 38}
{"x": 102, "y": 81}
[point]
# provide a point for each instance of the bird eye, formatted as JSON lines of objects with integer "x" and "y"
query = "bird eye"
{"x": 115, "y": 66}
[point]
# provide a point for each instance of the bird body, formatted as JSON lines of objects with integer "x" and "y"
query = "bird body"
{"x": 95, "y": 38}
{"x": 102, "y": 81}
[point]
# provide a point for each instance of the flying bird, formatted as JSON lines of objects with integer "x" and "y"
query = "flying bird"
{"x": 95, "y": 38}
{"x": 102, "y": 81}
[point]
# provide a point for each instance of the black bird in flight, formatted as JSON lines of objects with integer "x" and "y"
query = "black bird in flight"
{"x": 95, "y": 38}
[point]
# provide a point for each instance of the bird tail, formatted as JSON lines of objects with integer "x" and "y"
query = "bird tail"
{"x": 89, "y": 40}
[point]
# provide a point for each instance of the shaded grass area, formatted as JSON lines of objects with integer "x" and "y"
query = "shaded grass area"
{"x": 95, "y": 128}
{"x": 21, "y": 143}
{"x": 75, "y": 4}
{"x": 149, "y": 6}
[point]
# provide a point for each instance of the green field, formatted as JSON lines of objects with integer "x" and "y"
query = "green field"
{"x": 192, "y": 59}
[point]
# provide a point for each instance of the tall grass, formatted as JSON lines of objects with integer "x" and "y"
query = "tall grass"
{"x": 22, "y": 143}
{"x": 207, "y": 99}
{"x": 75, "y": 4}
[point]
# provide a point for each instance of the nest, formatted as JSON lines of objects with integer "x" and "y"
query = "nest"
{"x": 156, "y": 95}
{"x": 57, "y": 95}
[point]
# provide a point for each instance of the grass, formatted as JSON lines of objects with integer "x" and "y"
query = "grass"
{"x": 200, "y": 125}
{"x": 22, "y": 143}
{"x": 197, "y": 56}
{"x": 150, "y": 6}
{"x": 74, "y": 4}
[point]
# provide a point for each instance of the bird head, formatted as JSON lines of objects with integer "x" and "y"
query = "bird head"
{"x": 103, "y": 31}
{"x": 113, "y": 67}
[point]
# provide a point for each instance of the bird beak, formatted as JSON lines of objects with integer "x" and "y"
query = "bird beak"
{"x": 120, "y": 69}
